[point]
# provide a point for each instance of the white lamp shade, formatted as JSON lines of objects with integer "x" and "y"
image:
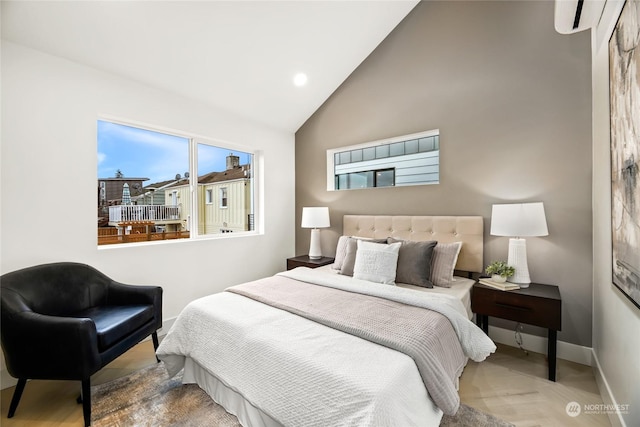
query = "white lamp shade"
{"x": 519, "y": 220}
{"x": 315, "y": 217}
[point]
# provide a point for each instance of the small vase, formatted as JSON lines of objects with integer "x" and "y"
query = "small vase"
{"x": 498, "y": 278}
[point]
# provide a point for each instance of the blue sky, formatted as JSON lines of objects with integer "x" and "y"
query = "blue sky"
{"x": 158, "y": 156}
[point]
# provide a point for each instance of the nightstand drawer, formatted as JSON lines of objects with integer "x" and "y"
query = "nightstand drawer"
{"x": 517, "y": 306}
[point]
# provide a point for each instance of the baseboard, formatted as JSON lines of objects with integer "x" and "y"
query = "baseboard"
{"x": 607, "y": 396}
{"x": 565, "y": 350}
{"x": 7, "y": 380}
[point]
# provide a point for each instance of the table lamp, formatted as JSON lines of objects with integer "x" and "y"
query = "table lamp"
{"x": 315, "y": 218}
{"x": 518, "y": 220}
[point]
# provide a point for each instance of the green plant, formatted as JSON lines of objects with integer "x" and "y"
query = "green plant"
{"x": 500, "y": 268}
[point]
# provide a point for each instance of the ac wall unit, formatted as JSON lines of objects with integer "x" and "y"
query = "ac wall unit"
{"x": 572, "y": 16}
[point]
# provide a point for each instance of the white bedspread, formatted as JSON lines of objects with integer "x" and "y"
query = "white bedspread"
{"x": 297, "y": 371}
{"x": 476, "y": 345}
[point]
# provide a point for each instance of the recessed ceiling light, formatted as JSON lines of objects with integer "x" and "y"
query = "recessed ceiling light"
{"x": 300, "y": 79}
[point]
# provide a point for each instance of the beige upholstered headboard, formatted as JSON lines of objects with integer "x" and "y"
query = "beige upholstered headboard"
{"x": 445, "y": 229}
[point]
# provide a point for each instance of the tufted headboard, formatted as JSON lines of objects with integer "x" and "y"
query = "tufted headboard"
{"x": 445, "y": 229}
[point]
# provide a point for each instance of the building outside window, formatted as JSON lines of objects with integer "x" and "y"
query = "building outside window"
{"x": 404, "y": 160}
{"x": 150, "y": 188}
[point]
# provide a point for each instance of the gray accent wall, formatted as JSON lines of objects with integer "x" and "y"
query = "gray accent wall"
{"x": 512, "y": 100}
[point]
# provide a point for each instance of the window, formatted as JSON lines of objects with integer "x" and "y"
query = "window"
{"x": 385, "y": 178}
{"x": 223, "y": 197}
{"x": 155, "y": 186}
{"x": 365, "y": 179}
{"x": 405, "y": 160}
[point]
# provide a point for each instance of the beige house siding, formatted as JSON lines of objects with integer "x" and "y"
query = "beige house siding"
{"x": 213, "y": 218}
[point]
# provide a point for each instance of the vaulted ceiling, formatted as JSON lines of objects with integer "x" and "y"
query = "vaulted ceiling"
{"x": 240, "y": 56}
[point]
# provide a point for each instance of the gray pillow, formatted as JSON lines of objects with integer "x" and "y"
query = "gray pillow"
{"x": 414, "y": 262}
{"x": 445, "y": 256}
{"x": 350, "y": 254}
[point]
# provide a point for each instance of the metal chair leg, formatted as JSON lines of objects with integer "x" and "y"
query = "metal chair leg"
{"x": 17, "y": 394}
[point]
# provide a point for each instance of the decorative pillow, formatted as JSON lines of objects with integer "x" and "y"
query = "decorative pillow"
{"x": 414, "y": 262}
{"x": 341, "y": 252}
{"x": 376, "y": 262}
{"x": 349, "y": 257}
{"x": 445, "y": 256}
{"x": 351, "y": 248}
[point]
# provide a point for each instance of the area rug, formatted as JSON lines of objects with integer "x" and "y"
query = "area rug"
{"x": 150, "y": 398}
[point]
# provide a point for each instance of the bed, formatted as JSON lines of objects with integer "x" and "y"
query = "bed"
{"x": 334, "y": 346}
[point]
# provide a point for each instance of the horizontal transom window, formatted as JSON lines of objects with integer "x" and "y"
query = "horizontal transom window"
{"x": 405, "y": 160}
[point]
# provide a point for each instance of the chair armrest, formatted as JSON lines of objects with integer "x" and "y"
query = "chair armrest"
{"x": 50, "y": 347}
{"x": 121, "y": 294}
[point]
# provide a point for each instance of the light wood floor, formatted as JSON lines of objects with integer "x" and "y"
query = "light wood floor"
{"x": 513, "y": 386}
{"x": 53, "y": 403}
{"x": 509, "y": 385}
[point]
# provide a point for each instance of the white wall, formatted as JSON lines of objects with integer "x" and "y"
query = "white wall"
{"x": 616, "y": 321}
{"x": 49, "y": 172}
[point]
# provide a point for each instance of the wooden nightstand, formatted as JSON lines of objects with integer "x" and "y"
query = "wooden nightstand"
{"x": 538, "y": 305}
{"x": 305, "y": 261}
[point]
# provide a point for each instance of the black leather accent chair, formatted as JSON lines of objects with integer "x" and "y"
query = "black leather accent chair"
{"x": 65, "y": 321}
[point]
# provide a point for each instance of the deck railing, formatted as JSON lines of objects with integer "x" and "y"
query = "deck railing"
{"x": 111, "y": 238}
{"x": 126, "y": 213}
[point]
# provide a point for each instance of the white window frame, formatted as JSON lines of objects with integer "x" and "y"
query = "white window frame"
{"x": 209, "y": 196}
{"x": 194, "y": 140}
{"x": 331, "y": 155}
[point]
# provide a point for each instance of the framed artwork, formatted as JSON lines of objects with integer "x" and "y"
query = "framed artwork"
{"x": 624, "y": 93}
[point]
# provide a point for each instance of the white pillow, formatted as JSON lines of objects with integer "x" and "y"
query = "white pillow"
{"x": 341, "y": 252}
{"x": 443, "y": 263}
{"x": 347, "y": 258}
{"x": 376, "y": 262}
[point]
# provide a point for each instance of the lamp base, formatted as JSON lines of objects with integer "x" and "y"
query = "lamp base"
{"x": 315, "y": 252}
{"x": 518, "y": 260}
